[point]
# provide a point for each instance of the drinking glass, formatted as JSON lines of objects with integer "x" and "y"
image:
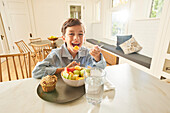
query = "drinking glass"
{"x": 94, "y": 85}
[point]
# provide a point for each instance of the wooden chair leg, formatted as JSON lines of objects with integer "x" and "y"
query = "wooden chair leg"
{"x": 33, "y": 58}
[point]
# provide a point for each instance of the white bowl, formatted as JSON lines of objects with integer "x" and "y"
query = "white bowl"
{"x": 73, "y": 83}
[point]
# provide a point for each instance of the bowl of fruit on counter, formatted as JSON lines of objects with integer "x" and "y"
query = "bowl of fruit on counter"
{"x": 52, "y": 38}
{"x": 74, "y": 76}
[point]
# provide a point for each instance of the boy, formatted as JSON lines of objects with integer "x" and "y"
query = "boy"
{"x": 66, "y": 56}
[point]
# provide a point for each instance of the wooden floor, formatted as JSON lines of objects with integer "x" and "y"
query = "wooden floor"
{"x": 12, "y": 71}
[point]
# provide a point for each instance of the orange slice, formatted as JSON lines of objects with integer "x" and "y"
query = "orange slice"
{"x": 76, "y": 48}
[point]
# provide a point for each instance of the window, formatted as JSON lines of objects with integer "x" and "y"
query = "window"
{"x": 119, "y": 21}
{"x": 156, "y": 8}
{"x": 119, "y": 17}
{"x": 75, "y": 11}
{"x": 116, "y": 3}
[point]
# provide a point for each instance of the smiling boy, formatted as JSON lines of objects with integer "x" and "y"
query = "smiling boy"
{"x": 66, "y": 56}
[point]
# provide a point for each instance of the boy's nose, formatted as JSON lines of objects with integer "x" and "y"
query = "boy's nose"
{"x": 76, "y": 37}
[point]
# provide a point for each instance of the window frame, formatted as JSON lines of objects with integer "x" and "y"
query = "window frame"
{"x": 117, "y": 9}
{"x": 97, "y": 11}
{"x": 150, "y": 11}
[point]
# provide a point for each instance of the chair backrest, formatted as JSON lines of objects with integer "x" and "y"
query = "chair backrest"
{"x": 34, "y": 39}
{"x": 38, "y": 49}
{"x": 46, "y": 52}
{"x": 22, "y": 46}
{"x": 16, "y": 66}
{"x": 165, "y": 79}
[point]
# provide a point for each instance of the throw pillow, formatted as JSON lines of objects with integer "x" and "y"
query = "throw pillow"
{"x": 130, "y": 46}
{"x": 122, "y": 39}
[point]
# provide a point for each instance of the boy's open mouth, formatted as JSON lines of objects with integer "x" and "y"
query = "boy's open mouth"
{"x": 75, "y": 44}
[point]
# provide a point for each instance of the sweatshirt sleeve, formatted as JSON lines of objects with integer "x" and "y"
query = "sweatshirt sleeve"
{"x": 46, "y": 67}
{"x": 101, "y": 63}
{"x": 91, "y": 62}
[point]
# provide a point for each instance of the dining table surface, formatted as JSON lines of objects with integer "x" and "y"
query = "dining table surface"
{"x": 135, "y": 92}
{"x": 53, "y": 44}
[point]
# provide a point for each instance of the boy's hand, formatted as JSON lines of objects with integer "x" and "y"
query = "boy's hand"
{"x": 95, "y": 52}
{"x": 72, "y": 64}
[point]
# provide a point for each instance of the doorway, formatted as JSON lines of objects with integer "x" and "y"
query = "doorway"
{"x": 4, "y": 46}
{"x": 20, "y": 20}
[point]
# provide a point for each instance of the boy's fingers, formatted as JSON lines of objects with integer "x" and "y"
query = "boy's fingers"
{"x": 72, "y": 64}
{"x": 95, "y": 51}
{"x": 96, "y": 47}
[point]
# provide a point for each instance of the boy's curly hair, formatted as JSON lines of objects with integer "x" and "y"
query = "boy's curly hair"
{"x": 71, "y": 22}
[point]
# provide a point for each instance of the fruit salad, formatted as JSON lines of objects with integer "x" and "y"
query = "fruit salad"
{"x": 75, "y": 73}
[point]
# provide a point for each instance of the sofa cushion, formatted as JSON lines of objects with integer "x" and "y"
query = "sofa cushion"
{"x": 130, "y": 46}
{"x": 121, "y": 39}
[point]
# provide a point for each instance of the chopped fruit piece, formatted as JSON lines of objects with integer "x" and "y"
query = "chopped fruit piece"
{"x": 82, "y": 72}
{"x": 79, "y": 78}
{"x": 88, "y": 66}
{"x": 76, "y": 72}
{"x": 69, "y": 77}
{"x": 66, "y": 69}
{"x": 87, "y": 70}
{"x": 75, "y": 76}
{"x": 70, "y": 73}
{"x": 65, "y": 74}
{"x": 76, "y": 48}
{"x": 77, "y": 68}
{"x": 71, "y": 69}
{"x": 52, "y": 37}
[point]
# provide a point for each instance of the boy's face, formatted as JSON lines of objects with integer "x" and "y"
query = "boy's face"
{"x": 74, "y": 36}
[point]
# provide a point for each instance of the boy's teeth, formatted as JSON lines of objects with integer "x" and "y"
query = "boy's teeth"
{"x": 75, "y": 44}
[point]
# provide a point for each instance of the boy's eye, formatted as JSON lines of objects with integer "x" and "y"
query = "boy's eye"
{"x": 71, "y": 34}
{"x": 81, "y": 34}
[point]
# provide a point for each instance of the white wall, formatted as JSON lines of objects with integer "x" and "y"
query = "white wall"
{"x": 88, "y": 17}
{"x": 99, "y": 29}
{"x": 51, "y": 14}
{"x": 145, "y": 32}
{"x": 143, "y": 28}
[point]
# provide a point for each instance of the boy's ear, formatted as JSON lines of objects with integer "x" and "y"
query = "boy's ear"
{"x": 84, "y": 40}
{"x": 63, "y": 37}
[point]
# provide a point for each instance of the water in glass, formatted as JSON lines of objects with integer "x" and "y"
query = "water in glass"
{"x": 94, "y": 86}
{"x": 94, "y": 90}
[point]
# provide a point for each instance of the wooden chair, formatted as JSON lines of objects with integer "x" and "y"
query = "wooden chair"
{"x": 110, "y": 58}
{"x": 34, "y": 39}
{"x": 46, "y": 52}
{"x": 165, "y": 79}
{"x": 12, "y": 67}
{"x": 38, "y": 49}
{"x": 23, "y": 48}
